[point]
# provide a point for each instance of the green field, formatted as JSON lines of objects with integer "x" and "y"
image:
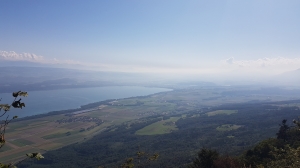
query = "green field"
{"x": 228, "y": 127}
{"x": 21, "y": 142}
{"x": 218, "y": 112}
{"x": 159, "y": 127}
{"x": 48, "y": 134}
{"x": 57, "y": 135}
{"x": 5, "y": 148}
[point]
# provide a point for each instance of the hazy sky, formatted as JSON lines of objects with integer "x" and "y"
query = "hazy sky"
{"x": 187, "y": 36}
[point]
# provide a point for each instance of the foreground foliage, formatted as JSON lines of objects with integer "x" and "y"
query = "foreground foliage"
{"x": 140, "y": 160}
{"x": 4, "y": 108}
{"x": 283, "y": 151}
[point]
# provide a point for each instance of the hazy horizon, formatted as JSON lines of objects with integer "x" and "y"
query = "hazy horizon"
{"x": 212, "y": 40}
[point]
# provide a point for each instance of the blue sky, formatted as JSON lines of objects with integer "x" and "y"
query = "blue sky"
{"x": 169, "y": 36}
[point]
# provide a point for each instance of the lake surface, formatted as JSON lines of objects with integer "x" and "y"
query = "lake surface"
{"x": 39, "y": 102}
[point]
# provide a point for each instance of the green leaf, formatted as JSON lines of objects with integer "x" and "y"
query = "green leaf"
{"x": 38, "y": 156}
{"x": 24, "y": 94}
{"x": 154, "y": 157}
{"x": 16, "y": 94}
{"x": 22, "y": 105}
{"x": 30, "y": 155}
{"x": 5, "y": 107}
{"x": 7, "y": 166}
{"x": 20, "y": 93}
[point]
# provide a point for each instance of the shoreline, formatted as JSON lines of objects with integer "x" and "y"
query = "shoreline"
{"x": 85, "y": 107}
{"x": 37, "y": 89}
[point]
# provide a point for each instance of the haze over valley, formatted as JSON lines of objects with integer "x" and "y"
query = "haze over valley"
{"x": 150, "y": 84}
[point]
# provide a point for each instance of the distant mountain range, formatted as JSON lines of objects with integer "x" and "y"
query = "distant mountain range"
{"x": 291, "y": 78}
{"x": 37, "y": 77}
{"x": 41, "y": 78}
{"x": 45, "y": 78}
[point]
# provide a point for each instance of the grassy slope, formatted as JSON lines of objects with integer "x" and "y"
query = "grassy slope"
{"x": 160, "y": 127}
{"x": 217, "y": 112}
{"x": 228, "y": 127}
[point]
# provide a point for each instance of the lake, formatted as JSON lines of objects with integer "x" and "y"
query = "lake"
{"x": 39, "y": 102}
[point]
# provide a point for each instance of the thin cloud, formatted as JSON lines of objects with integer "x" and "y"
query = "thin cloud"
{"x": 13, "y": 56}
{"x": 230, "y": 60}
{"x": 279, "y": 62}
{"x": 143, "y": 68}
{"x": 30, "y": 57}
{"x": 258, "y": 66}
